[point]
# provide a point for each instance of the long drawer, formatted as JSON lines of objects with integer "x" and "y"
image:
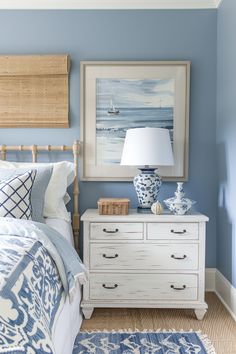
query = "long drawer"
{"x": 177, "y": 231}
{"x": 116, "y": 231}
{"x": 144, "y": 256}
{"x": 143, "y": 287}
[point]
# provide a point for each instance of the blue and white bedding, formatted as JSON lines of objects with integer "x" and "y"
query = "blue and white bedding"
{"x": 38, "y": 268}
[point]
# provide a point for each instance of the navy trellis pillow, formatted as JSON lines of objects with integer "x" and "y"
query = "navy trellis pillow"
{"x": 15, "y": 196}
{"x": 43, "y": 175}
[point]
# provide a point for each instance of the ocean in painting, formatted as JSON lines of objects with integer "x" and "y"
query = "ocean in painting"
{"x": 123, "y": 104}
{"x": 111, "y": 128}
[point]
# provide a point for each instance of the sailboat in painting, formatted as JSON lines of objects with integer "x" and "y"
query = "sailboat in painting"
{"x": 113, "y": 109}
{"x": 160, "y": 104}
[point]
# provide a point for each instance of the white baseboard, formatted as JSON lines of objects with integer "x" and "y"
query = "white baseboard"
{"x": 226, "y": 293}
{"x": 216, "y": 281}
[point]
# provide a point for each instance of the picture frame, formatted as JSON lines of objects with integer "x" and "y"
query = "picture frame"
{"x": 119, "y": 95}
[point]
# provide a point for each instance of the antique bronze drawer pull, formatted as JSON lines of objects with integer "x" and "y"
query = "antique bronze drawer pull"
{"x": 115, "y": 256}
{"x": 110, "y": 231}
{"x": 110, "y": 287}
{"x": 173, "y": 287}
{"x": 179, "y": 258}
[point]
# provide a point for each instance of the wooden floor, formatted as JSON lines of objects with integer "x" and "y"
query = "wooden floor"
{"x": 217, "y": 324}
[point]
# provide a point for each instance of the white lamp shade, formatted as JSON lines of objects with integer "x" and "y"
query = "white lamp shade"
{"x": 147, "y": 146}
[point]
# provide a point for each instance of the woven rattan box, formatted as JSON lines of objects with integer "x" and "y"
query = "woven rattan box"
{"x": 113, "y": 206}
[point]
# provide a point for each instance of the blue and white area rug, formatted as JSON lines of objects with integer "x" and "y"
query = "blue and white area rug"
{"x": 146, "y": 342}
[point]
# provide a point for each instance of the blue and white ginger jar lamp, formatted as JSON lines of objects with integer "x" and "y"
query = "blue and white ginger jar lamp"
{"x": 147, "y": 148}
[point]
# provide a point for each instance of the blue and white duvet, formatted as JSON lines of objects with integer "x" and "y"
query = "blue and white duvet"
{"x": 38, "y": 268}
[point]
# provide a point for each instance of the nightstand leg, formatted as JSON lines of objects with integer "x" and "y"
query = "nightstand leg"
{"x": 87, "y": 311}
{"x": 200, "y": 313}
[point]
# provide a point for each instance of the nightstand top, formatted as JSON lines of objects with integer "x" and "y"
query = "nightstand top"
{"x": 92, "y": 215}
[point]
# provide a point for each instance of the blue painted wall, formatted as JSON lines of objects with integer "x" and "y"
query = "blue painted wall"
{"x": 129, "y": 35}
{"x": 226, "y": 140}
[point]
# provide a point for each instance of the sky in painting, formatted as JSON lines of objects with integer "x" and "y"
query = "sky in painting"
{"x": 130, "y": 93}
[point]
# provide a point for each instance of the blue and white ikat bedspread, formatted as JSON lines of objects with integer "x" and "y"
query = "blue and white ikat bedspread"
{"x": 38, "y": 268}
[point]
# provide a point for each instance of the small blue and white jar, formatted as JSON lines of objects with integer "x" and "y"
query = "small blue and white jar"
{"x": 179, "y": 205}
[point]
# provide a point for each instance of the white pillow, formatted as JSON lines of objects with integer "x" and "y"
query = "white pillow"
{"x": 62, "y": 176}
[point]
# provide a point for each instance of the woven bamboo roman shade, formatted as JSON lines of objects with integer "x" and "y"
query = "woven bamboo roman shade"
{"x": 34, "y": 91}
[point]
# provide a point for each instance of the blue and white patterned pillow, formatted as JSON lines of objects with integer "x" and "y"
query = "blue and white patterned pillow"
{"x": 15, "y": 196}
{"x": 40, "y": 185}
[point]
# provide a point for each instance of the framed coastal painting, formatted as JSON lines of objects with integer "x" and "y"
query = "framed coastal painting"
{"x": 117, "y": 96}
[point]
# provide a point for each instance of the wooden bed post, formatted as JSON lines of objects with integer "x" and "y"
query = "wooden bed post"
{"x": 76, "y": 218}
{"x": 3, "y": 152}
{"x": 34, "y": 153}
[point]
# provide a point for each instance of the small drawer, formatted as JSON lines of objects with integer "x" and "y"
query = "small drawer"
{"x": 116, "y": 231}
{"x": 175, "y": 231}
{"x": 141, "y": 256}
{"x": 143, "y": 287}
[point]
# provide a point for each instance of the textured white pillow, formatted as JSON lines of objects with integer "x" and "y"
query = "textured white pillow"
{"x": 62, "y": 176}
{"x": 15, "y": 196}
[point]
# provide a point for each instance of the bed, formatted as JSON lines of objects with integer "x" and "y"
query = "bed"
{"x": 40, "y": 271}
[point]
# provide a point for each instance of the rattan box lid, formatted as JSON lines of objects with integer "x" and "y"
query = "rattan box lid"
{"x": 102, "y": 201}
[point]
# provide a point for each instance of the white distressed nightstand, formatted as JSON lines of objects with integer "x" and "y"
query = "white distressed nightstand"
{"x": 138, "y": 260}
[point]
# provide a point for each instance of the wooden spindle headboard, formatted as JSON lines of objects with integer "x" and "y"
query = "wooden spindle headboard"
{"x": 35, "y": 149}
